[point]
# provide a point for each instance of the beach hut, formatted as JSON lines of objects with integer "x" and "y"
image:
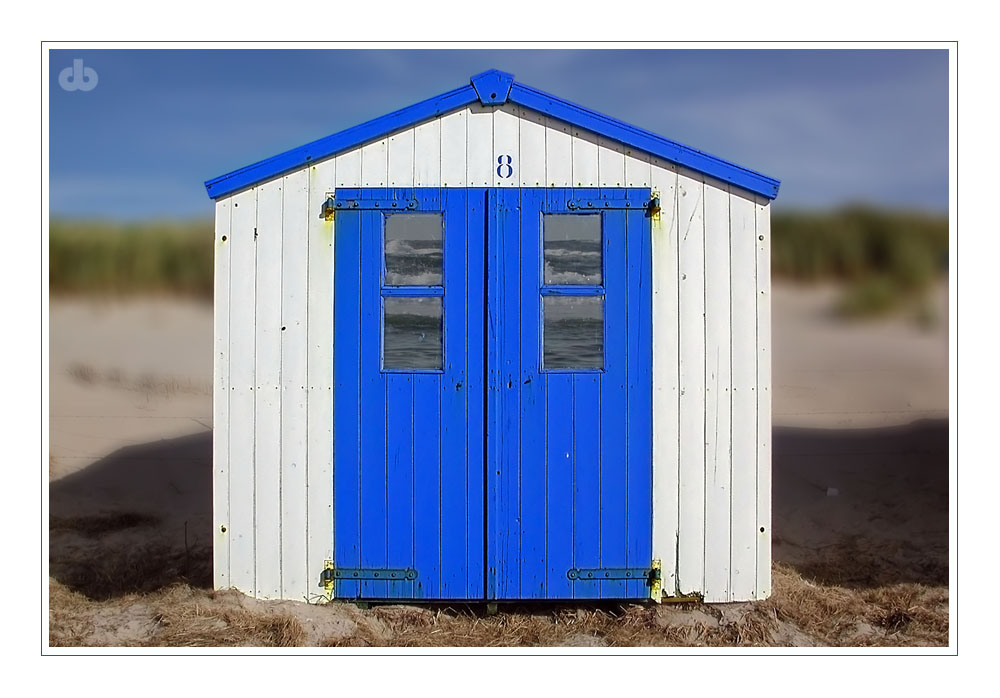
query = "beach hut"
{"x": 493, "y": 346}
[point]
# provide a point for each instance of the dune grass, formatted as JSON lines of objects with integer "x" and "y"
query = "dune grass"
{"x": 103, "y": 258}
{"x": 887, "y": 259}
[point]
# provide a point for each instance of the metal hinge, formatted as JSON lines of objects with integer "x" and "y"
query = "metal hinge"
{"x": 650, "y": 575}
{"x": 403, "y": 204}
{"x": 587, "y": 574}
{"x": 331, "y": 574}
{"x": 595, "y": 204}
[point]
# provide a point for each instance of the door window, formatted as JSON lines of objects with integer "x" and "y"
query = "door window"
{"x": 413, "y": 292}
{"x": 572, "y": 292}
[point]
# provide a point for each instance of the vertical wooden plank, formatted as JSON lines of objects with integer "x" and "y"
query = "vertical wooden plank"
{"x": 639, "y": 432}
{"x": 718, "y": 395}
{"x": 531, "y": 388}
{"x": 267, "y": 379}
{"x": 401, "y": 158}
{"x": 294, "y": 352}
{"x": 319, "y": 478}
{"x": 560, "y": 497}
{"x": 475, "y": 296}
{"x": 347, "y": 320}
{"x": 348, "y": 171}
{"x": 427, "y": 484}
{"x": 220, "y": 397}
{"x": 399, "y": 410}
{"x": 506, "y": 162}
{"x": 610, "y": 164}
{"x": 558, "y": 154}
{"x": 638, "y": 172}
{"x": 531, "y": 172}
{"x": 427, "y": 154}
{"x": 666, "y": 375}
{"x": 560, "y": 489}
{"x": 494, "y": 292}
{"x": 763, "y": 269}
{"x": 454, "y": 149}
{"x": 613, "y": 401}
{"x": 691, "y": 302}
{"x": 510, "y": 527}
{"x": 598, "y": 494}
{"x": 481, "y": 164}
{"x": 373, "y": 409}
{"x": 585, "y": 168}
{"x": 454, "y": 428}
{"x": 375, "y": 164}
{"x": 241, "y": 405}
{"x": 743, "y": 240}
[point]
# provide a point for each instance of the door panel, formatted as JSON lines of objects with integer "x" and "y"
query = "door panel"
{"x": 408, "y": 433}
{"x": 517, "y": 448}
{"x": 572, "y": 486}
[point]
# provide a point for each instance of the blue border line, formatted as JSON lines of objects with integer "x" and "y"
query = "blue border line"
{"x": 41, "y": 339}
{"x": 182, "y": 653}
{"x": 955, "y": 416}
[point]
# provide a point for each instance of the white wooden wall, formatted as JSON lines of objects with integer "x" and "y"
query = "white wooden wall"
{"x": 711, "y": 348}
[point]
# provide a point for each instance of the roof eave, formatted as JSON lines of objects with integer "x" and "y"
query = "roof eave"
{"x": 343, "y": 140}
{"x": 645, "y": 141}
{"x": 493, "y": 88}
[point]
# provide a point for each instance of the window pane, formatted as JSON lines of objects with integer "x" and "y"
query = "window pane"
{"x": 413, "y": 251}
{"x": 412, "y": 333}
{"x": 574, "y": 332}
{"x": 572, "y": 249}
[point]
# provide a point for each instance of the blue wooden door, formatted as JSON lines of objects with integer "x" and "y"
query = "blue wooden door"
{"x": 493, "y": 394}
{"x": 408, "y": 401}
{"x": 569, "y": 439}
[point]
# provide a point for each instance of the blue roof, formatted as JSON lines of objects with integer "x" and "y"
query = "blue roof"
{"x": 491, "y": 88}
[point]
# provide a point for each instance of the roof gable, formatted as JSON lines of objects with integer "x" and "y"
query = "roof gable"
{"x": 491, "y": 88}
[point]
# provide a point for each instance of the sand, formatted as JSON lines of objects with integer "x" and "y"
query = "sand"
{"x": 860, "y": 495}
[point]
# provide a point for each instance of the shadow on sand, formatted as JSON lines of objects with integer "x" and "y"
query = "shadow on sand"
{"x": 858, "y": 507}
{"x": 863, "y": 507}
{"x": 137, "y": 520}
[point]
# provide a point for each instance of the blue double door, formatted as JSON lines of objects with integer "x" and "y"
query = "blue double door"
{"x": 493, "y": 394}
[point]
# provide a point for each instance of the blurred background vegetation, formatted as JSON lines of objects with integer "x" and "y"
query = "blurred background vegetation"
{"x": 108, "y": 258}
{"x": 885, "y": 259}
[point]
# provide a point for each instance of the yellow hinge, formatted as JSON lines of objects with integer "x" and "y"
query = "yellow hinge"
{"x": 326, "y": 212}
{"x": 328, "y": 580}
{"x": 656, "y": 585}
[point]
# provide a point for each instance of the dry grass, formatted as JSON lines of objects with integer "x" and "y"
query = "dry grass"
{"x": 514, "y": 626}
{"x": 190, "y": 618}
{"x": 801, "y": 612}
{"x": 113, "y": 591}
{"x": 901, "y": 614}
{"x": 178, "y": 616}
{"x": 126, "y": 569}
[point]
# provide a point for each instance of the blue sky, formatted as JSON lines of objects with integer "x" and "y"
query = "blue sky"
{"x": 836, "y": 126}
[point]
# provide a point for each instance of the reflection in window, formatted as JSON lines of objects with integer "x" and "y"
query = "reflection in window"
{"x": 572, "y": 249}
{"x": 573, "y": 334}
{"x": 413, "y": 337}
{"x": 413, "y": 251}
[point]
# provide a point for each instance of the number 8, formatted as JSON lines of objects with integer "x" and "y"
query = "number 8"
{"x": 501, "y": 164}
